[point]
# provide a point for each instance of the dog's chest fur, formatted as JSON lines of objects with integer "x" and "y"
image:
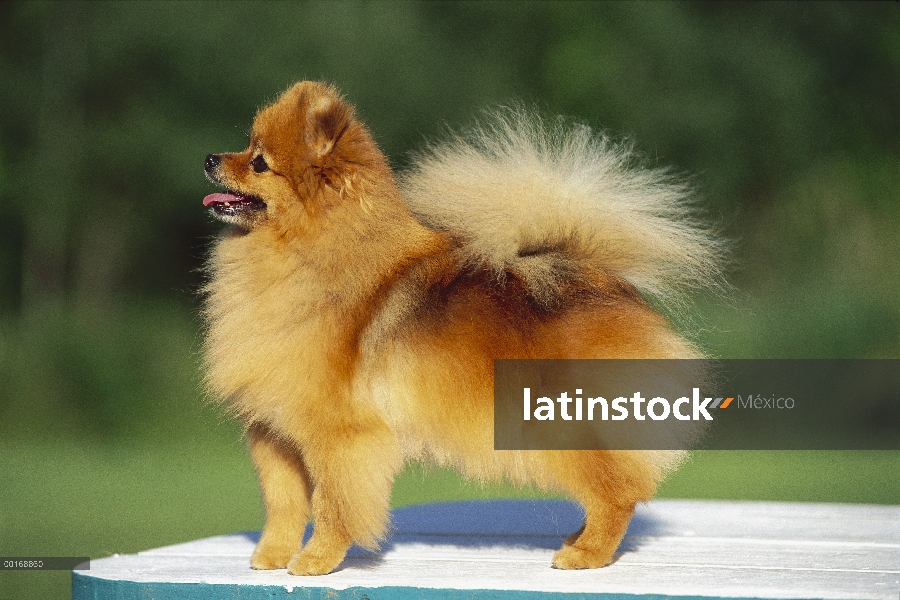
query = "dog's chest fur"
{"x": 281, "y": 314}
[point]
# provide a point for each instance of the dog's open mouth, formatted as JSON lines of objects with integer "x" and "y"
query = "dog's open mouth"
{"x": 228, "y": 204}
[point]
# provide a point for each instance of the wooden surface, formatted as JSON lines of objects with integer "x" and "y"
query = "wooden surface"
{"x": 502, "y": 549}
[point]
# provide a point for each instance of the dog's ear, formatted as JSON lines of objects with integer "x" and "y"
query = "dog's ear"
{"x": 328, "y": 118}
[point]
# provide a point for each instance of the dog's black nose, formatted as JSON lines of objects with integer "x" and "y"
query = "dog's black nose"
{"x": 212, "y": 161}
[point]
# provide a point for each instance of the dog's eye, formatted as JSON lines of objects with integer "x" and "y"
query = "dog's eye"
{"x": 259, "y": 164}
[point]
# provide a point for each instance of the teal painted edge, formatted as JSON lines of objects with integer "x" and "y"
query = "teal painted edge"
{"x": 85, "y": 587}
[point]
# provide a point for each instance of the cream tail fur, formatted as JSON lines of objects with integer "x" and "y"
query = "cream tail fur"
{"x": 530, "y": 197}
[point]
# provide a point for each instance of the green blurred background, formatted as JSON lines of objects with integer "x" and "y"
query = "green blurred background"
{"x": 786, "y": 114}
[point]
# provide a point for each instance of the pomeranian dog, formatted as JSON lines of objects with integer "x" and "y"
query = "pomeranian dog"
{"x": 353, "y": 321}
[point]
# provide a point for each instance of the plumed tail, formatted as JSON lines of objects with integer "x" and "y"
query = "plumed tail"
{"x": 544, "y": 199}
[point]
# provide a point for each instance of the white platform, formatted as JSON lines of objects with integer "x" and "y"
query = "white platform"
{"x": 502, "y": 549}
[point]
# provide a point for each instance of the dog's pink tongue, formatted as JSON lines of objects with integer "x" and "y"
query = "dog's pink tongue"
{"x": 219, "y": 198}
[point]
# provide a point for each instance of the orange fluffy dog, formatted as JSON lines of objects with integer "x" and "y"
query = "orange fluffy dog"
{"x": 353, "y": 324}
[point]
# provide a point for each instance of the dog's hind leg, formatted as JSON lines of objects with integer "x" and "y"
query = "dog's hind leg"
{"x": 286, "y": 491}
{"x": 609, "y": 484}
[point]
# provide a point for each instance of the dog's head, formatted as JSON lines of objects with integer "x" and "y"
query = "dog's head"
{"x": 306, "y": 152}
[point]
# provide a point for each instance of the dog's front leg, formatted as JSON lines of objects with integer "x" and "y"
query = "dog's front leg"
{"x": 286, "y": 490}
{"x": 352, "y": 464}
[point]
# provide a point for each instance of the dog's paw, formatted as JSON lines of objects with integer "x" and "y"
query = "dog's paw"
{"x": 571, "y": 557}
{"x": 270, "y": 557}
{"x": 310, "y": 563}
